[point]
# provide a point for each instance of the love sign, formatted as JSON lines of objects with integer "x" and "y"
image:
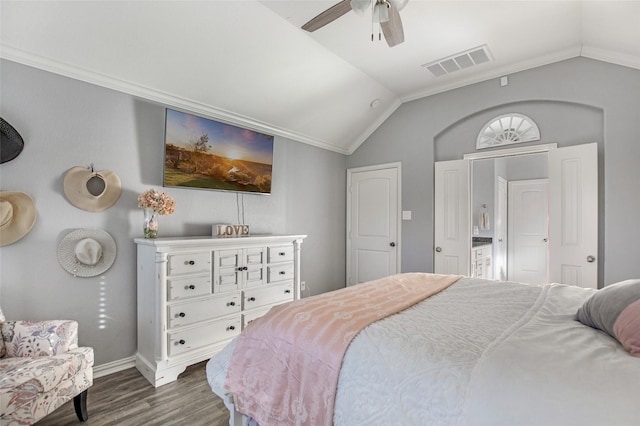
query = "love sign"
{"x": 231, "y": 230}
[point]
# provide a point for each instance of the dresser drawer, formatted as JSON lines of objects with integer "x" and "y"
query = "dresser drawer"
{"x": 277, "y": 273}
{"x": 183, "y": 288}
{"x": 227, "y": 280}
{"x": 253, "y": 314}
{"x": 185, "y": 313}
{"x": 253, "y": 276}
{"x": 218, "y": 331}
{"x": 273, "y": 294}
{"x": 280, "y": 254}
{"x": 254, "y": 256}
{"x": 189, "y": 263}
{"x": 227, "y": 258}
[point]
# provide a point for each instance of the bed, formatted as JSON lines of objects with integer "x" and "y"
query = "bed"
{"x": 481, "y": 352}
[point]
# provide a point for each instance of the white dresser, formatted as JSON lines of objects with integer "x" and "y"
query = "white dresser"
{"x": 196, "y": 293}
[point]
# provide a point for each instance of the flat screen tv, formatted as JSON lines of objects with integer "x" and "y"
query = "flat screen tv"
{"x": 207, "y": 154}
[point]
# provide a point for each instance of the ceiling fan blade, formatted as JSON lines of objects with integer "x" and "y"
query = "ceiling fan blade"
{"x": 392, "y": 29}
{"x": 328, "y": 16}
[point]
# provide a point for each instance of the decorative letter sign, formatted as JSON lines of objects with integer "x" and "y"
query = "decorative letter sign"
{"x": 232, "y": 230}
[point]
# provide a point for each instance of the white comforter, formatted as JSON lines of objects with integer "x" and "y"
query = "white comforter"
{"x": 483, "y": 353}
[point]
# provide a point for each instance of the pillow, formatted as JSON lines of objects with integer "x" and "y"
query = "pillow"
{"x": 615, "y": 310}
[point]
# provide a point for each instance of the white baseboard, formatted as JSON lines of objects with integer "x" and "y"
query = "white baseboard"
{"x": 114, "y": 367}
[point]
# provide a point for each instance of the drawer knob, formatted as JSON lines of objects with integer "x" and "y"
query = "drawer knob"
{"x": 191, "y": 262}
{"x": 252, "y": 299}
{"x": 182, "y": 315}
{"x": 231, "y": 304}
{"x": 190, "y": 287}
{"x": 231, "y": 328}
{"x": 282, "y": 272}
{"x": 181, "y": 342}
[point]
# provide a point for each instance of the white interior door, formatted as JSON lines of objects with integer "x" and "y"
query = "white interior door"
{"x": 373, "y": 222}
{"x": 452, "y": 218}
{"x": 573, "y": 212}
{"x": 500, "y": 242}
{"x": 528, "y": 231}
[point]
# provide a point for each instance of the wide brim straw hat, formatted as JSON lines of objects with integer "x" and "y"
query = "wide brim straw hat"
{"x": 17, "y": 216}
{"x": 87, "y": 252}
{"x": 92, "y": 191}
{"x": 11, "y": 143}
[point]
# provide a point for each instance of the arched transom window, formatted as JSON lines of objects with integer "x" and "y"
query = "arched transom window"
{"x": 507, "y": 129}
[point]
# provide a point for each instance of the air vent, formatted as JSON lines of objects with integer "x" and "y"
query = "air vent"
{"x": 462, "y": 60}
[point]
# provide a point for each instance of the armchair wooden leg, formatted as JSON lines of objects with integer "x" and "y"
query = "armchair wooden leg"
{"x": 80, "y": 404}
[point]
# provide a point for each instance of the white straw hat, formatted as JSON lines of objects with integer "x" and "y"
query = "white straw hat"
{"x": 91, "y": 191}
{"x": 17, "y": 216}
{"x": 87, "y": 252}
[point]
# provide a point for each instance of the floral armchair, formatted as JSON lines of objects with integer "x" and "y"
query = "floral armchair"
{"x": 41, "y": 368}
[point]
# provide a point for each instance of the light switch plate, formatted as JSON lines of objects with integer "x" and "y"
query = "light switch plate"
{"x": 406, "y": 215}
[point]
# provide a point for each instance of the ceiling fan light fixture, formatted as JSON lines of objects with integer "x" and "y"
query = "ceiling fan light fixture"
{"x": 399, "y": 4}
{"x": 360, "y": 6}
{"x": 381, "y": 12}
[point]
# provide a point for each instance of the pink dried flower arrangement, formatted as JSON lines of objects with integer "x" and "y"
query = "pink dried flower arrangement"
{"x": 161, "y": 203}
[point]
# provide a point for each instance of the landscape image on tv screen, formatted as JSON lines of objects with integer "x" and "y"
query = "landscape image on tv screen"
{"x": 207, "y": 154}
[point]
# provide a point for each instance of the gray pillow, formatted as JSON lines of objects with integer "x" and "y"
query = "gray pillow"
{"x": 615, "y": 310}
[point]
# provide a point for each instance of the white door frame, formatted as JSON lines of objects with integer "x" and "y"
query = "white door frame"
{"x": 398, "y": 225}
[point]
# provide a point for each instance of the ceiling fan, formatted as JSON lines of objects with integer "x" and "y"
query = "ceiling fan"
{"x": 384, "y": 12}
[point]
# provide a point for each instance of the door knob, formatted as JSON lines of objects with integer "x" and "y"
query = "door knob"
{"x": 545, "y": 239}
{"x": 591, "y": 259}
{"x": 438, "y": 249}
{"x": 392, "y": 244}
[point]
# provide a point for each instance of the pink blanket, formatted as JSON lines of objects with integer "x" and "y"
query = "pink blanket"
{"x": 285, "y": 366}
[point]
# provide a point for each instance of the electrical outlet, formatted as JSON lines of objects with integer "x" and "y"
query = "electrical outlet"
{"x": 303, "y": 286}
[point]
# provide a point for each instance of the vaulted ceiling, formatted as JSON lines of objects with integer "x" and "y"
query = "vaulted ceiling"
{"x": 248, "y": 62}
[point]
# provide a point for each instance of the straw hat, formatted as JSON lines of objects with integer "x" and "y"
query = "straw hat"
{"x": 91, "y": 191}
{"x": 11, "y": 142}
{"x": 87, "y": 252}
{"x": 17, "y": 216}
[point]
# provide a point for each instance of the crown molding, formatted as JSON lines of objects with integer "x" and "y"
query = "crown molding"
{"x": 618, "y": 58}
{"x": 150, "y": 94}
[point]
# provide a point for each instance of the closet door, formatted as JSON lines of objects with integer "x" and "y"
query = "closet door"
{"x": 573, "y": 215}
{"x": 373, "y": 224}
{"x": 452, "y": 218}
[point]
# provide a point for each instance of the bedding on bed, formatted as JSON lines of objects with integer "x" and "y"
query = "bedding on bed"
{"x": 285, "y": 366}
{"x": 482, "y": 352}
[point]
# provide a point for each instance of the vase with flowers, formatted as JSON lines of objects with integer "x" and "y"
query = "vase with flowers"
{"x": 154, "y": 204}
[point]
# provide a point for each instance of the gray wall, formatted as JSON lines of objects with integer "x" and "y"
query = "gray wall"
{"x": 67, "y": 123}
{"x": 574, "y": 101}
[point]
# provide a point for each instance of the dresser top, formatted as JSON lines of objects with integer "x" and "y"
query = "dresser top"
{"x": 214, "y": 241}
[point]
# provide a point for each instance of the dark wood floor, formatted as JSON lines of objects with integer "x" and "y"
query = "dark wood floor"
{"x": 126, "y": 398}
